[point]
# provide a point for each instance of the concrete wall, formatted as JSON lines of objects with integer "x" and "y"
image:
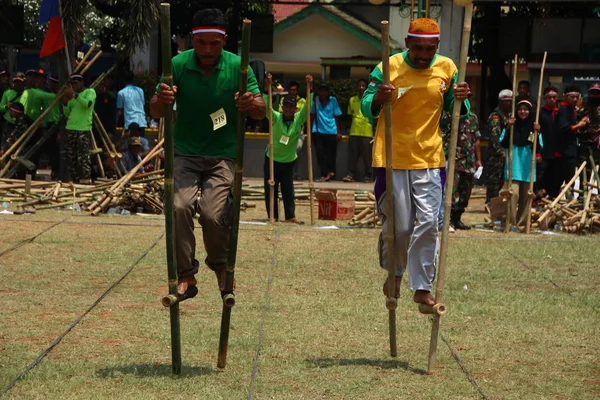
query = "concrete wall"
{"x": 313, "y": 38}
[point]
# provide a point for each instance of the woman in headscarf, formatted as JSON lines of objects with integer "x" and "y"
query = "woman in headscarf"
{"x": 524, "y": 130}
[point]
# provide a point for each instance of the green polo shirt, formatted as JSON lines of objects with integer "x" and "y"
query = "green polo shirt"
{"x": 79, "y": 111}
{"x": 54, "y": 114}
{"x": 33, "y": 100}
{"x": 198, "y": 97}
{"x": 9, "y": 96}
{"x": 286, "y": 135}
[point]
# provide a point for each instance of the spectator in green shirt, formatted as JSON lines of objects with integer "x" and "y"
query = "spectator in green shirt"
{"x": 79, "y": 105}
{"x": 51, "y": 146}
{"x": 287, "y": 129}
{"x": 292, "y": 89}
{"x": 205, "y": 86}
{"x": 361, "y": 136}
{"x": 12, "y": 95}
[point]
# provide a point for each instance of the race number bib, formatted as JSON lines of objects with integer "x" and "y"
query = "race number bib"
{"x": 284, "y": 140}
{"x": 219, "y": 119}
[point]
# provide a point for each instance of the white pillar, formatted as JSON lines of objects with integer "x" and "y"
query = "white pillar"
{"x": 451, "y": 30}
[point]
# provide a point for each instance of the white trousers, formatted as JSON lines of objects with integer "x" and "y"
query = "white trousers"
{"x": 417, "y": 202}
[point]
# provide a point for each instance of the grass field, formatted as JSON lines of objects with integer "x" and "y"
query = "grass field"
{"x": 310, "y": 320}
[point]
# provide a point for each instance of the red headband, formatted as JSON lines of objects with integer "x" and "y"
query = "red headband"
{"x": 15, "y": 110}
{"x": 209, "y": 29}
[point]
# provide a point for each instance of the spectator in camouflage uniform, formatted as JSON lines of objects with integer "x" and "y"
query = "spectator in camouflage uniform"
{"x": 468, "y": 159}
{"x": 589, "y": 137}
{"x": 494, "y": 163}
{"x": 79, "y": 105}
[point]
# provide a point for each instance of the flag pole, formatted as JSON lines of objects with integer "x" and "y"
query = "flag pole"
{"x": 62, "y": 25}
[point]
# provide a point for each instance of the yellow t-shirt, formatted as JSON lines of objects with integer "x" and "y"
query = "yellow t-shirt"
{"x": 360, "y": 124}
{"x": 422, "y": 94}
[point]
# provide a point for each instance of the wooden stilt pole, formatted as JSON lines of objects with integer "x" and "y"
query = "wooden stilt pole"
{"x": 97, "y": 155}
{"x": 509, "y": 217}
{"x": 271, "y": 160}
{"x": 391, "y": 302}
{"x": 165, "y": 28}
{"x": 161, "y": 134}
{"x": 227, "y": 295}
{"x": 441, "y": 273}
{"x": 534, "y": 148}
{"x": 311, "y": 183}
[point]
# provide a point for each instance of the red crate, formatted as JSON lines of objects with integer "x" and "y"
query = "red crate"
{"x": 336, "y": 204}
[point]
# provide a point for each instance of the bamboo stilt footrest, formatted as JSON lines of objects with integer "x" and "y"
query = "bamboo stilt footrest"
{"x": 439, "y": 309}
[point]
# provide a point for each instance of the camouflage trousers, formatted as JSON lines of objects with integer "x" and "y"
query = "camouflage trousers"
{"x": 463, "y": 186}
{"x": 494, "y": 176}
{"x": 78, "y": 154}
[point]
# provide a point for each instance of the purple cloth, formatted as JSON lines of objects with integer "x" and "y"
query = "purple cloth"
{"x": 443, "y": 179}
{"x": 379, "y": 188}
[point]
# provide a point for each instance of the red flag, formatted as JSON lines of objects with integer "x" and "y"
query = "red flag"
{"x": 54, "y": 40}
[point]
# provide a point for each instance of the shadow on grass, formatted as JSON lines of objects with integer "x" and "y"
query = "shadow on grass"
{"x": 152, "y": 370}
{"x": 383, "y": 364}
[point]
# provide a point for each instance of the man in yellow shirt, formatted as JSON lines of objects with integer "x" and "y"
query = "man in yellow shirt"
{"x": 423, "y": 84}
{"x": 361, "y": 135}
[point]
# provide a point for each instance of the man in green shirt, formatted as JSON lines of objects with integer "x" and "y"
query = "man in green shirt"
{"x": 12, "y": 95}
{"x": 292, "y": 89}
{"x": 51, "y": 146}
{"x": 205, "y": 86}
{"x": 361, "y": 136}
{"x": 287, "y": 129}
{"x": 79, "y": 105}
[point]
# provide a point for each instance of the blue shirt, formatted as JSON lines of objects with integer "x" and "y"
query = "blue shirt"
{"x": 145, "y": 145}
{"x": 325, "y": 115}
{"x": 521, "y": 159}
{"x": 131, "y": 99}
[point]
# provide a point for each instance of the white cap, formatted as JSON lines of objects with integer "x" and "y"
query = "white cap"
{"x": 505, "y": 94}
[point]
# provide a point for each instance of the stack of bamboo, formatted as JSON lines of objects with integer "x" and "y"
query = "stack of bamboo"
{"x": 581, "y": 214}
{"x": 365, "y": 210}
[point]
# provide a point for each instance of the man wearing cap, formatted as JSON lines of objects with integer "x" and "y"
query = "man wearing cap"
{"x": 22, "y": 122}
{"x": 79, "y": 105}
{"x": 567, "y": 129}
{"x": 134, "y": 131}
{"x": 205, "y": 86}
{"x": 468, "y": 159}
{"x": 131, "y": 157}
{"x": 494, "y": 156}
{"x": 9, "y": 96}
{"x": 292, "y": 88}
{"x": 549, "y": 168}
{"x": 287, "y": 128}
{"x": 423, "y": 84}
{"x": 589, "y": 136}
{"x": 130, "y": 104}
{"x": 30, "y": 79}
{"x": 325, "y": 112}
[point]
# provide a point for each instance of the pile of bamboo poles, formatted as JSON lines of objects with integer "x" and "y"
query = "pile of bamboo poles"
{"x": 573, "y": 215}
{"x": 144, "y": 191}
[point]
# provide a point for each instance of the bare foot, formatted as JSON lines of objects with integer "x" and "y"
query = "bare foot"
{"x": 184, "y": 283}
{"x": 424, "y": 297}
{"x": 398, "y": 283}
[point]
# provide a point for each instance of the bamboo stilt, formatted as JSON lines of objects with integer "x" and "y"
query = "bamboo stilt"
{"x": 271, "y": 159}
{"x": 509, "y": 217}
{"x": 391, "y": 302}
{"x": 165, "y": 27}
{"x": 443, "y": 256}
{"x": 311, "y": 183}
{"x": 227, "y": 295}
{"x": 97, "y": 155}
{"x": 534, "y": 148}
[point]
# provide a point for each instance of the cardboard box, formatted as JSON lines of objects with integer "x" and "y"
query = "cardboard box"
{"x": 336, "y": 204}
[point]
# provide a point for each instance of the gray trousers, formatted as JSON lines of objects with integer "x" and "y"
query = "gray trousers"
{"x": 212, "y": 178}
{"x": 417, "y": 201}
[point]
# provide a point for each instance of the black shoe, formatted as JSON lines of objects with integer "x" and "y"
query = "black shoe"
{"x": 459, "y": 225}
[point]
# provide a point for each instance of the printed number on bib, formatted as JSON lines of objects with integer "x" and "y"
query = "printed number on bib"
{"x": 284, "y": 140}
{"x": 219, "y": 119}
